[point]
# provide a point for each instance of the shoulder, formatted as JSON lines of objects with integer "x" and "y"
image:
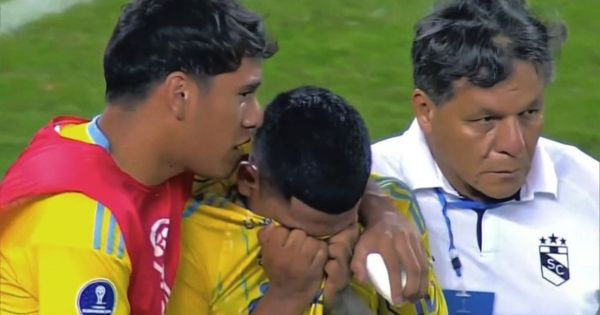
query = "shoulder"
{"x": 388, "y": 155}
{"x": 70, "y": 220}
{"x": 568, "y": 158}
{"x": 390, "y": 146}
{"x": 578, "y": 174}
{"x": 204, "y": 224}
{"x": 213, "y": 244}
{"x": 571, "y": 163}
{"x": 63, "y": 246}
{"x": 211, "y": 221}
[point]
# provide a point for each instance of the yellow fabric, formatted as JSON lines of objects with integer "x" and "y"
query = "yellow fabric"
{"x": 405, "y": 204}
{"x": 219, "y": 271}
{"x": 51, "y": 248}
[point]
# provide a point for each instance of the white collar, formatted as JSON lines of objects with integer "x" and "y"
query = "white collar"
{"x": 423, "y": 172}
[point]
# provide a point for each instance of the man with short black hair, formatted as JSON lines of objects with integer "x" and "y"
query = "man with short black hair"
{"x": 297, "y": 201}
{"x": 180, "y": 79}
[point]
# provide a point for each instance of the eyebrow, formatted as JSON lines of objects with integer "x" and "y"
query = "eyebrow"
{"x": 533, "y": 104}
{"x": 251, "y": 86}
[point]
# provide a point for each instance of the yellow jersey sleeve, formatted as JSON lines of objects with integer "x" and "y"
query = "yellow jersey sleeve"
{"x": 435, "y": 303}
{"x": 63, "y": 254}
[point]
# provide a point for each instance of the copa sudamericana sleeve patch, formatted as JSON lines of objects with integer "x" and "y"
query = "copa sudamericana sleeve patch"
{"x": 97, "y": 296}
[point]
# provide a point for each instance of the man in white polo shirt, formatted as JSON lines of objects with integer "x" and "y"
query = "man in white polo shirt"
{"x": 513, "y": 217}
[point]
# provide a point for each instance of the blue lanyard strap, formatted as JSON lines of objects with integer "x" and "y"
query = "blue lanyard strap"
{"x": 97, "y": 135}
{"x": 459, "y": 204}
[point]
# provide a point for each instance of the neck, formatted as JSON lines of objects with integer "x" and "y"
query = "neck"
{"x": 136, "y": 145}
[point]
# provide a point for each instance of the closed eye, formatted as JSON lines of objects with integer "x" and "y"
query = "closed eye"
{"x": 485, "y": 119}
{"x": 244, "y": 94}
{"x": 249, "y": 89}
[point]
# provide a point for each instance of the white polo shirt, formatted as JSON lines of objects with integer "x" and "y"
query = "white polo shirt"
{"x": 539, "y": 255}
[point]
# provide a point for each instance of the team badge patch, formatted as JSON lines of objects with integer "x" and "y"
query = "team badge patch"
{"x": 97, "y": 297}
{"x": 554, "y": 259}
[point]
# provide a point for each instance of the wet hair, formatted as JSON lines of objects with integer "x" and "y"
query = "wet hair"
{"x": 479, "y": 40}
{"x": 201, "y": 38}
{"x": 315, "y": 147}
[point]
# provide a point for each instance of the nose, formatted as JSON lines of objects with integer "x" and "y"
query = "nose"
{"x": 253, "y": 116}
{"x": 509, "y": 137}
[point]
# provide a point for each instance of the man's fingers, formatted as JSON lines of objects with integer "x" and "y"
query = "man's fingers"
{"x": 265, "y": 233}
{"x": 340, "y": 252}
{"x": 310, "y": 246}
{"x": 332, "y": 267}
{"x": 349, "y": 235}
{"x": 315, "y": 250}
{"x": 337, "y": 275}
{"x": 295, "y": 239}
{"x": 280, "y": 236}
{"x": 335, "y": 280}
{"x": 410, "y": 264}
{"x": 338, "y": 264}
{"x": 320, "y": 256}
{"x": 422, "y": 258}
{"x": 394, "y": 267}
{"x": 358, "y": 264}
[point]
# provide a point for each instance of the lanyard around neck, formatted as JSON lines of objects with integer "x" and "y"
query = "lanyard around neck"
{"x": 459, "y": 204}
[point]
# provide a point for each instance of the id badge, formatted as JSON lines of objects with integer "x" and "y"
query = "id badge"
{"x": 469, "y": 302}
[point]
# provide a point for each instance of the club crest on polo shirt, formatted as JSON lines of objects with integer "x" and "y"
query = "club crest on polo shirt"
{"x": 554, "y": 259}
{"x": 97, "y": 297}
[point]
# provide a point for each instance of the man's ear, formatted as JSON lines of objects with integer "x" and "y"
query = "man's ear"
{"x": 177, "y": 85}
{"x": 424, "y": 109}
{"x": 247, "y": 179}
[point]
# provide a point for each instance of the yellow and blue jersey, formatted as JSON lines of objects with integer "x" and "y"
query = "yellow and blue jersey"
{"x": 220, "y": 272}
{"x": 406, "y": 205}
{"x": 63, "y": 254}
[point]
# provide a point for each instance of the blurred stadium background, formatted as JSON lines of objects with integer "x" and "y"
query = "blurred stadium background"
{"x": 358, "y": 48}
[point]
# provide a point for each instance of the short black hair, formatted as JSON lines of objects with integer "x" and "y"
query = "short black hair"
{"x": 202, "y": 38}
{"x": 315, "y": 147}
{"x": 479, "y": 40}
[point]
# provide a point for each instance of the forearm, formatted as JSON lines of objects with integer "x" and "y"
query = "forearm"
{"x": 374, "y": 205}
{"x": 388, "y": 218}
